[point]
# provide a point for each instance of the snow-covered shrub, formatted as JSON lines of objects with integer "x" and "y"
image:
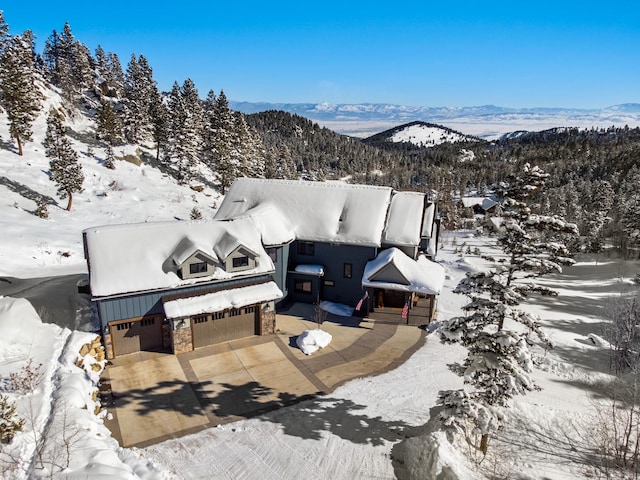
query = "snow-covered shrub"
{"x": 42, "y": 210}
{"x": 195, "y": 214}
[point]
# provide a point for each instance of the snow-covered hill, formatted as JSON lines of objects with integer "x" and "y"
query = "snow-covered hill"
{"x": 421, "y": 134}
{"x": 136, "y": 191}
{"x": 487, "y": 121}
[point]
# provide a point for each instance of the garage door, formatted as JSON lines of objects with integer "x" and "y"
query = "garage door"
{"x": 223, "y": 326}
{"x": 136, "y": 335}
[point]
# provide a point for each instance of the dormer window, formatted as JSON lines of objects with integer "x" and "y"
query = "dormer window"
{"x": 200, "y": 267}
{"x": 239, "y": 262}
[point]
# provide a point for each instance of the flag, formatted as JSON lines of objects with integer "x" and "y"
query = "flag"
{"x": 359, "y": 305}
{"x": 405, "y": 310}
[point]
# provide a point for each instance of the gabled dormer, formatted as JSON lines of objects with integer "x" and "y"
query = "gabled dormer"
{"x": 192, "y": 261}
{"x": 235, "y": 256}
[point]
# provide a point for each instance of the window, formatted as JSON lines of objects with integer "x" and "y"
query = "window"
{"x": 200, "y": 267}
{"x": 347, "y": 272}
{"x": 234, "y": 312}
{"x": 148, "y": 321}
{"x": 306, "y": 248}
{"x": 239, "y": 262}
{"x": 218, "y": 315}
{"x": 273, "y": 254}
{"x": 329, "y": 283}
{"x": 124, "y": 326}
{"x": 302, "y": 286}
{"x": 249, "y": 310}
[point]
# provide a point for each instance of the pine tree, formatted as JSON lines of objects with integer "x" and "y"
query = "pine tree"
{"x": 108, "y": 125}
{"x": 222, "y": 127}
{"x": 10, "y": 422}
{"x": 109, "y": 158}
{"x": 186, "y": 130}
{"x": 138, "y": 93}
{"x": 159, "y": 115}
{"x": 65, "y": 169}
{"x": 19, "y": 95}
{"x": 496, "y": 334}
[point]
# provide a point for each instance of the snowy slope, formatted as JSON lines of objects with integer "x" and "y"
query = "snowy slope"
{"x": 420, "y": 134}
{"x": 128, "y": 194}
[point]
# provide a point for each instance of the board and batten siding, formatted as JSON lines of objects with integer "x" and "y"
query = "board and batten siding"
{"x": 334, "y": 286}
{"x": 145, "y": 304}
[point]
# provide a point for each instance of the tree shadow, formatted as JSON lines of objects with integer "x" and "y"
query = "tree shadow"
{"x": 307, "y": 416}
{"x": 26, "y": 192}
{"x": 312, "y": 418}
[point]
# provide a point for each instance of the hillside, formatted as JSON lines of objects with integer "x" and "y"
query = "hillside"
{"x": 420, "y": 134}
{"x": 135, "y": 191}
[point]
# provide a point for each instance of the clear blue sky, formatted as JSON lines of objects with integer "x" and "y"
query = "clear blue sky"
{"x": 465, "y": 53}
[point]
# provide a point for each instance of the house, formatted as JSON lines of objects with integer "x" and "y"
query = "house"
{"x": 323, "y": 236}
{"x": 480, "y": 205}
{"x": 181, "y": 285}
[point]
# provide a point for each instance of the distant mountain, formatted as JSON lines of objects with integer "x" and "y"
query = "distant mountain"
{"x": 486, "y": 121}
{"x": 420, "y": 134}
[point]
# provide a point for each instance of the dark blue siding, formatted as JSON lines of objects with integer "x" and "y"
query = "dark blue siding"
{"x": 333, "y": 258}
{"x": 134, "y": 306}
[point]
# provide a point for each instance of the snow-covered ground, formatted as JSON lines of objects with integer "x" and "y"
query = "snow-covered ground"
{"x": 375, "y": 427}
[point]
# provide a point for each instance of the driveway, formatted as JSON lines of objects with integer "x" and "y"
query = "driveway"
{"x": 157, "y": 396}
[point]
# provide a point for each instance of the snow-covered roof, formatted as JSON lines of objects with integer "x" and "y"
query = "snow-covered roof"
{"x": 141, "y": 257}
{"x": 227, "y": 244}
{"x": 484, "y": 202}
{"x": 314, "y": 211}
{"x": 427, "y": 220}
{"x": 404, "y": 220}
{"x": 424, "y": 276}
{"x": 218, "y": 301}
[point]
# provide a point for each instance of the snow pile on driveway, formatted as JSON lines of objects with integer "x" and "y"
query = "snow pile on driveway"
{"x": 311, "y": 340}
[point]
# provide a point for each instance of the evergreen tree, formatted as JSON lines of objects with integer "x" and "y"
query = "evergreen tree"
{"x": 65, "y": 169}
{"x": 496, "y": 334}
{"x": 222, "y": 127}
{"x": 159, "y": 114}
{"x": 19, "y": 95}
{"x": 109, "y": 159}
{"x": 138, "y": 93}
{"x": 601, "y": 202}
{"x": 108, "y": 125}
{"x": 116, "y": 75}
{"x": 186, "y": 130}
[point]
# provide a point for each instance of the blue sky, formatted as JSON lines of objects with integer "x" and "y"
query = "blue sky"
{"x": 465, "y": 53}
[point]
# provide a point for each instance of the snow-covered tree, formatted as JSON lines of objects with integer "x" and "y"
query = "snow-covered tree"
{"x": 65, "y": 169}
{"x": 109, "y": 158}
{"x": 138, "y": 93}
{"x": 597, "y": 214}
{"x": 495, "y": 332}
{"x": 185, "y": 132}
{"x": 19, "y": 95}
{"x": 220, "y": 142}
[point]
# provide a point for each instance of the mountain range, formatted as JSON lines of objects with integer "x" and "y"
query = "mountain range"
{"x": 486, "y": 121}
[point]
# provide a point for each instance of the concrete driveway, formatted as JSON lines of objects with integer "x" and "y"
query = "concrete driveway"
{"x": 156, "y": 396}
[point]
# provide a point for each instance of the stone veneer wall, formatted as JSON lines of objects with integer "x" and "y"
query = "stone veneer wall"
{"x": 182, "y": 340}
{"x": 268, "y": 319}
{"x": 166, "y": 335}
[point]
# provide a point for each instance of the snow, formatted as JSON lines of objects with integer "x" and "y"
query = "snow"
{"x": 217, "y": 301}
{"x": 315, "y": 211}
{"x": 140, "y": 257}
{"x": 405, "y": 219}
{"x": 311, "y": 341}
{"x": 423, "y": 275}
{"x": 339, "y": 309}
{"x": 374, "y": 427}
{"x": 309, "y": 269}
{"x": 426, "y": 136}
